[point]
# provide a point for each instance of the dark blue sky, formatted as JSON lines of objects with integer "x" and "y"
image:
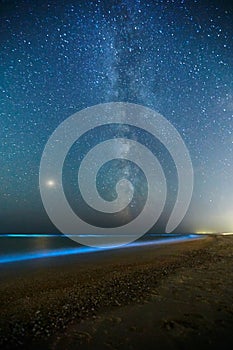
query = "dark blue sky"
{"x": 60, "y": 57}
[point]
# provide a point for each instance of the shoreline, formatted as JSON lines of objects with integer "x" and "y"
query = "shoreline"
{"x": 54, "y": 298}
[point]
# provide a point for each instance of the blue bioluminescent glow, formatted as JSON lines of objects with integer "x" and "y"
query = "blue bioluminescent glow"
{"x": 84, "y": 250}
{"x": 49, "y": 235}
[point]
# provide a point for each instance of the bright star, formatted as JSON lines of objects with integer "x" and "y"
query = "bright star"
{"x": 50, "y": 183}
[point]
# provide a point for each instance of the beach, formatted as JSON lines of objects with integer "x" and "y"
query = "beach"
{"x": 172, "y": 296}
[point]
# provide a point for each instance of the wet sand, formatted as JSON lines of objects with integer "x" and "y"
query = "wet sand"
{"x": 176, "y": 296}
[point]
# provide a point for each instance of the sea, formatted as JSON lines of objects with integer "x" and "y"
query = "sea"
{"x": 21, "y": 247}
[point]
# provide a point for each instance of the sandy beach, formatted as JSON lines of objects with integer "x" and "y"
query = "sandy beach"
{"x": 176, "y": 296}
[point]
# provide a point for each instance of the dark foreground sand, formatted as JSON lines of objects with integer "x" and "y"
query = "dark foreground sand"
{"x": 177, "y": 296}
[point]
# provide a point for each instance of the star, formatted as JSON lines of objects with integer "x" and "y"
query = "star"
{"x": 50, "y": 183}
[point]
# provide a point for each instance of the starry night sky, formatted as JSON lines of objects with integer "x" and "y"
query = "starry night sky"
{"x": 58, "y": 57}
